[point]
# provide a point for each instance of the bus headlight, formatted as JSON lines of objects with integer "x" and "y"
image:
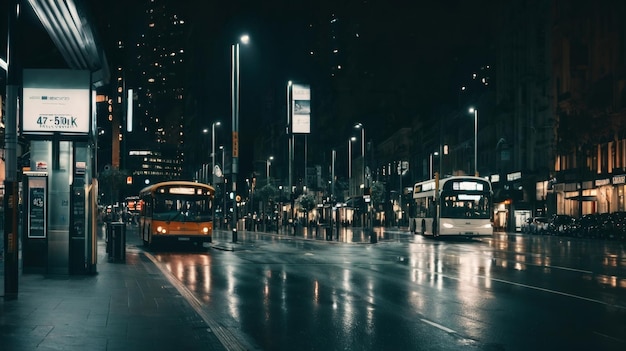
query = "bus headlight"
{"x": 205, "y": 230}
{"x": 488, "y": 225}
{"x": 447, "y": 225}
{"x": 161, "y": 230}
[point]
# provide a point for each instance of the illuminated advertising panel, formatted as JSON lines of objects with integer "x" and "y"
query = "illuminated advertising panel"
{"x": 56, "y": 101}
{"x": 301, "y": 109}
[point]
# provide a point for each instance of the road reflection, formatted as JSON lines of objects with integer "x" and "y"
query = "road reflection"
{"x": 284, "y": 293}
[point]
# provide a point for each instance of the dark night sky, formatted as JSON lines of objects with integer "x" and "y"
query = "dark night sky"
{"x": 432, "y": 45}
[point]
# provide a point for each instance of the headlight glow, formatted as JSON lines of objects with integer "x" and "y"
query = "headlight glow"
{"x": 447, "y": 225}
{"x": 205, "y": 230}
{"x": 161, "y": 230}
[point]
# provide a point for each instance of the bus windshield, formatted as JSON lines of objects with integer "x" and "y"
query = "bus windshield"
{"x": 181, "y": 208}
{"x": 465, "y": 205}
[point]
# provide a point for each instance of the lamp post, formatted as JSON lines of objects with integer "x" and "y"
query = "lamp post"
{"x": 350, "y": 162}
{"x": 475, "y": 112}
{"x": 432, "y": 157}
{"x": 235, "y": 119}
{"x": 204, "y": 173}
{"x": 290, "y": 149}
{"x": 362, "y": 128}
{"x": 213, "y": 125}
{"x": 223, "y": 187}
{"x": 268, "y": 162}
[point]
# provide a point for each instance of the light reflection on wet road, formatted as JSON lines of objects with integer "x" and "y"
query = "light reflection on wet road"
{"x": 506, "y": 292}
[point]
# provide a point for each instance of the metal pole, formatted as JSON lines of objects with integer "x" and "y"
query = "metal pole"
{"x": 350, "y": 166}
{"x": 223, "y": 187}
{"x": 305, "y": 160}
{"x": 476, "y": 142}
{"x": 290, "y": 182}
{"x": 363, "y": 154}
{"x": 332, "y": 175}
{"x": 430, "y": 166}
{"x": 212, "y": 154}
{"x": 235, "y": 134}
{"x": 401, "y": 193}
{"x": 11, "y": 237}
{"x": 365, "y": 215}
{"x": 213, "y": 169}
{"x": 349, "y": 159}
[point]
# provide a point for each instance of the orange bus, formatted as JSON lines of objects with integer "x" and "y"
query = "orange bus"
{"x": 177, "y": 210}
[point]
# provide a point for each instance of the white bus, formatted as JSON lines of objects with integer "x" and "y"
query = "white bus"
{"x": 455, "y": 206}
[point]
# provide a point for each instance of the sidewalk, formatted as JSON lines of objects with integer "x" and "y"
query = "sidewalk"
{"x": 125, "y": 306}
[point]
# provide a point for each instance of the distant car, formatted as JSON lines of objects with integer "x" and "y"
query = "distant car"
{"x": 535, "y": 225}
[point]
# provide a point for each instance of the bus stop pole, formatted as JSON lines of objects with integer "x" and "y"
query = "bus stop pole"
{"x": 10, "y": 139}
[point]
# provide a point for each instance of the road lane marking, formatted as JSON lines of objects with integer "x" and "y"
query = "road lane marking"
{"x": 610, "y": 337}
{"x": 439, "y": 326}
{"x": 554, "y": 292}
{"x": 568, "y": 269}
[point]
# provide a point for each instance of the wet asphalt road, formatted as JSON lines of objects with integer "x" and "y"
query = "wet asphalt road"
{"x": 407, "y": 292}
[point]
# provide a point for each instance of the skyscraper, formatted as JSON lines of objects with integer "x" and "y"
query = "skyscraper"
{"x": 149, "y": 58}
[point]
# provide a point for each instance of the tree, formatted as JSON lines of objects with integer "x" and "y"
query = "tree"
{"x": 377, "y": 195}
{"x": 266, "y": 194}
{"x": 307, "y": 203}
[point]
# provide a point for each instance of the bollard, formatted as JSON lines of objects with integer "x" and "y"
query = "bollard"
{"x": 235, "y": 235}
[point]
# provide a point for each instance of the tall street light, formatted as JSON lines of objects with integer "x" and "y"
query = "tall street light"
{"x": 350, "y": 162}
{"x": 213, "y": 125}
{"x": 362, "y": 128}
{"x": 235, "y": 119}
{"x": 475, "y": 112}
{"x": 431, "y": 159}
{"x": 223, "y": 188}
{"x": 268, "y": 163}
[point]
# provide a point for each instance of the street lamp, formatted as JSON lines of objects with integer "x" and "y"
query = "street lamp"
{"x": 350, "y": 161}
{"x": 223, "y": 188}
{"x": 475, "y": 112}
{"x": 204, "y": 174}
{"x": 362, "y": 128}
{"x": 268, "y": 163}
{"x": 432, "y": 156}
{"x": 213, "y": 125}
{"x": 235, "y": 119}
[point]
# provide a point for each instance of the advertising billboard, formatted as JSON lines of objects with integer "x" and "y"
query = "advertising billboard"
{"x": 56, "y": 101}
{"x": 301, "y": 109}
